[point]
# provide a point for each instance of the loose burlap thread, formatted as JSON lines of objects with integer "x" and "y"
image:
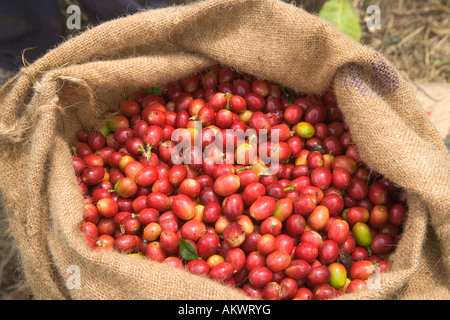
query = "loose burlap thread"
{"x": 74, "y": 85}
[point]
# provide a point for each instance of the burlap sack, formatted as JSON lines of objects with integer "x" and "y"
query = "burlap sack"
{"x": 48, "y": 102}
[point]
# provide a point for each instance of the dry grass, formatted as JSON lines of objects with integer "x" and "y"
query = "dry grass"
{"x": 414, "y": 35}
{"x": 423, "y": 31}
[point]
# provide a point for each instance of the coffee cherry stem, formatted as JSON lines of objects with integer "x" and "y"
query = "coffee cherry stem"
{"x": 243, "y": 169}
{"x": 228, "y": 96}
{"x": 264, "y": 172}
{"x": 147, "y": 152}
{"x": 252, "y": 138}
{"x": 291, "y": 188}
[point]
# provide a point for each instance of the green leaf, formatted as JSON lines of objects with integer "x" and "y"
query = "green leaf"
{"x": 391, "y": 42}
{"x": 187, "y": 250}
{"x": 105, "y": 130}
{"x": 282, "y": 88}
{"x": 442, "y": 63}
{"x": 290, "y": 95}
{"x": 156, "y": 90}
{"x": 342, "y": 15}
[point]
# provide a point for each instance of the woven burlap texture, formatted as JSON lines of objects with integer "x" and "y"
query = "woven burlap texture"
{"x": 75, "y": 84}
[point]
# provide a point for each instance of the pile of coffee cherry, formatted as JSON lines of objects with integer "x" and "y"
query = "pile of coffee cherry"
{"x": 257, "y": 186}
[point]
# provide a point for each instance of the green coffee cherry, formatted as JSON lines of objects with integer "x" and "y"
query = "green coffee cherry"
{"x": 362, "y": 235}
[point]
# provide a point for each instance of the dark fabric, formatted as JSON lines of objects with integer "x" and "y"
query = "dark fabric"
{"x": 104, "y": 10}
{"x": 30, "y": 25}
{"x": 33, "y": 27}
